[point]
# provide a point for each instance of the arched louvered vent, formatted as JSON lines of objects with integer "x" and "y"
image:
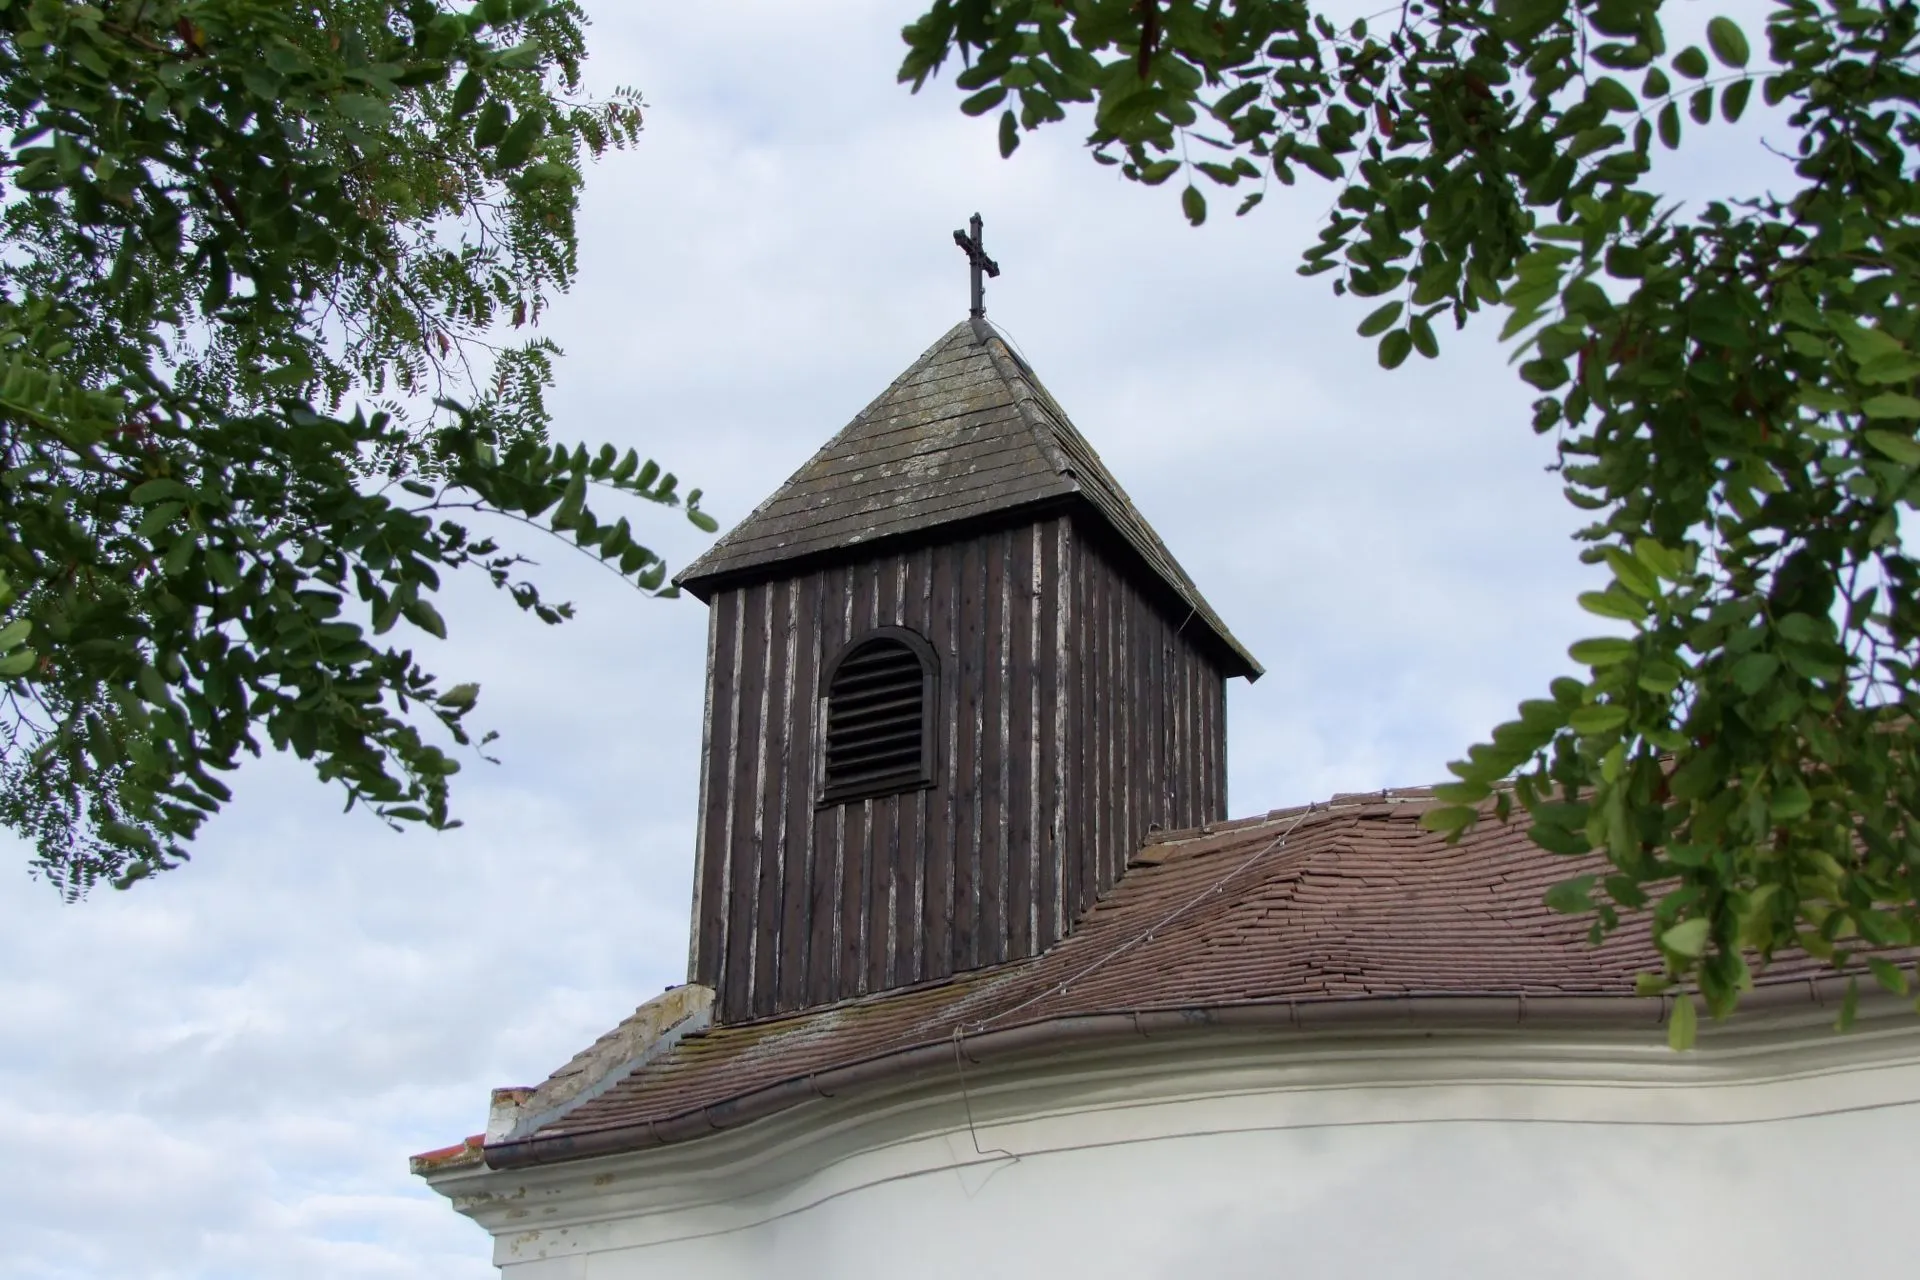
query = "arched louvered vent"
{"x": 879, "y": 717}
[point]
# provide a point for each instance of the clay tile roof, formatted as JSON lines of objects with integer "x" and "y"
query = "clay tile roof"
{"x": 967, "y": 432}
{"x": 1349, "y": 901}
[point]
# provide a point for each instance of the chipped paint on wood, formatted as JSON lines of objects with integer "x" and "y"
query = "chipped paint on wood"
{"x": 1075, "y": 715}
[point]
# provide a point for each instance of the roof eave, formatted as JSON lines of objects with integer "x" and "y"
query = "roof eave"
{"x": 1235, "y": 660}
{"x": 1414, "y": 1012}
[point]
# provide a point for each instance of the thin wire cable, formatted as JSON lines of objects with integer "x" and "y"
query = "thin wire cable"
{"x": 1060, "y": 988}
{"x": 966, "y": 1097}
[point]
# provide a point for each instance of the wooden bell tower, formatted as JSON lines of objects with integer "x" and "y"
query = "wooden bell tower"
{"x": 954, "y": 679}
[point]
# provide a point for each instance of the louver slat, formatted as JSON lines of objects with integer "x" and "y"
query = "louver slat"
{"x": 877, "y": 740}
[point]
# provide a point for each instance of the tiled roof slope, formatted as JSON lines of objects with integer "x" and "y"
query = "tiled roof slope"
{"x": 966, "y": 432}
{"x": 1345, "y": 902}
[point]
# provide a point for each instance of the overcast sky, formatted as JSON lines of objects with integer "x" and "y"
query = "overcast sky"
{"x": 222, "y": 1073}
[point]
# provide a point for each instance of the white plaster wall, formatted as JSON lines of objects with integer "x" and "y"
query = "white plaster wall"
{"x": 1786, "y": 1177}
{"x": 1787, "y": 1199}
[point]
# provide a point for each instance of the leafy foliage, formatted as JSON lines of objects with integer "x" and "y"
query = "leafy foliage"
{"x": 1732, "y": 388}
{"x": 252, "y": 392}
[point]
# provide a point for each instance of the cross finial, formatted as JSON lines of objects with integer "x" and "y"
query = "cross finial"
{"x": 977, "y": 258}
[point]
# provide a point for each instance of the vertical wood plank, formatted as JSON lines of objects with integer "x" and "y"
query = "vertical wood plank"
{"x": 1222, "y": 797}
{"x": 883, "y": 820}
{"x": 1018, "y": 769}
{"x": 777, "y": 754}
{"x": 1077, "y": 728}
{"x": 1153, "y": 696}
{"x": 1173, "y": 742}
{"x": 829, "y": 864}
{"x": 944, "y": 634}
{"x": 1049, "y": 751}
{"x": 1217, "y": 772}
{"x": 889, "y": 814}
{"x": 1179, "y": 734}
{"x": 1110, "y": 728}
{"x": 967, "y": 835}
{"x": 1128, "y": 760}
{"x": 1196, "y": 751}
{"x": 703, "y": 814}
{"x": 1196, "y": 700}
{"x": 916, "y": 611}
{"x": 993, "y": 806}
{"x": 797, "y": 856}
{"x": 715, "y": 831}
{"x": 857, "y": 905}
{"x": 736, "y": 995}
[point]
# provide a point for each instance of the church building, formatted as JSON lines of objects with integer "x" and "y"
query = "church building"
{"x": 985, "y": 981}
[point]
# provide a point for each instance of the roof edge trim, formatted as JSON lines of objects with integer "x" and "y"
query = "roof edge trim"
{"x": 1372, "y": 1013}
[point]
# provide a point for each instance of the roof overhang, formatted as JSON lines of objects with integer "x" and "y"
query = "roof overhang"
{"x": 1794, "y": 1004}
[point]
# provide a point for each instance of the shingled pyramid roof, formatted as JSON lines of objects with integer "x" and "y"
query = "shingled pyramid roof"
{"x": 966, "y": 433}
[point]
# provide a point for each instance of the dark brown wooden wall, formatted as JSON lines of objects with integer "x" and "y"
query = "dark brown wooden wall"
{"x": 1073, "y": 717}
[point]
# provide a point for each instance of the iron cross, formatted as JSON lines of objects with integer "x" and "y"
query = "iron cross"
{"x": 980, "y": 262}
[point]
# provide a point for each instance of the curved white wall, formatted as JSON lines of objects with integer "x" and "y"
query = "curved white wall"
{"x": 1755, "y": 1167}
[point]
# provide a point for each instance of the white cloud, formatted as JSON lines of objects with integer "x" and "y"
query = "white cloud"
{"x": 222, "y": 1073}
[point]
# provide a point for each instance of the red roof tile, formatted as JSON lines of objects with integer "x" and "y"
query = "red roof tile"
{"x": 1345, "y": 902}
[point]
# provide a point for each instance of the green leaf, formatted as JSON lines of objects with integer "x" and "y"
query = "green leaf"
{"x": 1890, "y": 976}
{"x": 460, "y": 697}
{"x": 1901, "y": 449}
{"x": 1670, "y": 126}
{"x": 1590, "y": 721}
{"x": 1603, "y": 651}
{"x": 1193, "y": 204}
{"x": 1610, "y": 95}
{"x": 1660, "y": 560}
{"x": 159, "y": 491}
{"x": 466, "y": 95}
{"x": 1320, "y": 161}
{"x": 1555, "y": 839}
{"x": 158, "y": 517}
{"x": 1524, "y": 19}
{"x": 1394, "y": 349}
{"x": 1752, "y": 671}
{"x": 1891, "y": 404}
{"x": 1657, "y": 676}
{"x": 1733, "y": 100}
{"x": 1423, "y": 338}
{"x": 15, "y": 633}
{"x": 1572, "y": 897}
{"x": 572, "y": 503}
{"x": 1683, "y": 1024}
{"x": 1728, "y": 42}
{"x": 423, "y": 615}
{"x": 1613, "y": 604}
{"x": 1791, "y": 803}
{"x": 1449, "y": 819}
{"x": 1381, "y": 319}
{"x": 985, "y": 100}
{"x": 492, "y": 124}
{"x": 1688, "y": 938}
{"x": 518, "y": 143}
{"x": 1691, "y": 63}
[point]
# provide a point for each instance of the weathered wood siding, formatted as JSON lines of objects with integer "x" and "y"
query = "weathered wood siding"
{"x": 1073, "y": 716}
